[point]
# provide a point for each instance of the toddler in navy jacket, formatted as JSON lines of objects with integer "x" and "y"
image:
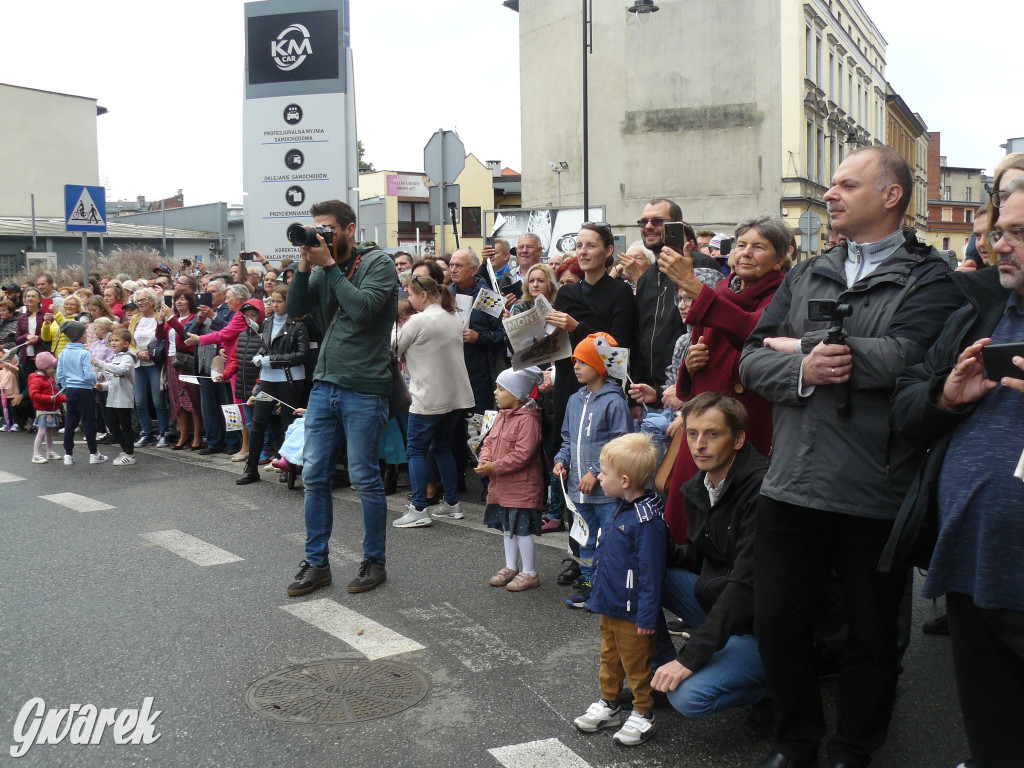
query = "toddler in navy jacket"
{"x": 629, "y": 568}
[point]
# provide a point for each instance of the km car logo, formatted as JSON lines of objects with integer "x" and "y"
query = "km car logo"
{"x": 291, "y": 47}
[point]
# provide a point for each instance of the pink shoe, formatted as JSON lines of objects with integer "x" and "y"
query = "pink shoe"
{"x": 552, "y": 524}
{"x": 281, "y": 463}
{"x": 503, "y": 577}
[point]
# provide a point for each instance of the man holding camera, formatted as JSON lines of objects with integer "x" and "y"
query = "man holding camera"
{"x": 837, "y": 474}
{"x": 354, "y": 287}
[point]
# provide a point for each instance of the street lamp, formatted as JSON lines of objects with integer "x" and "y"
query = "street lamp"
{"x": 643, "y": 8}
{"x": 560, "y": 167}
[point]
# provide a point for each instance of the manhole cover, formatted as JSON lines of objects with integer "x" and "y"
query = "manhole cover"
{"x": 332, "y": 692}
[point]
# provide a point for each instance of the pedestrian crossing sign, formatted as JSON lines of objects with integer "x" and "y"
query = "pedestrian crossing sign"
{"x": 85, "y": 208}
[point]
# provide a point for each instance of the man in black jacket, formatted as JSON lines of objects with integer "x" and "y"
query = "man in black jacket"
{"x": 709, "y": 581}
{"x": 951, "y": 404}
{"x": 658, "y": 320}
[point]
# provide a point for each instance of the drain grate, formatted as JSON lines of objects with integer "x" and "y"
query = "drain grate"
{"x": 332, "y": 692}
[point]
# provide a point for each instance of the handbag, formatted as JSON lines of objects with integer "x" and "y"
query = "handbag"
{"x": 184, "y": 361}
{"x": 400, "y": 400}
{"x": 157, "y": 352}
{"x": 663, "y": 476}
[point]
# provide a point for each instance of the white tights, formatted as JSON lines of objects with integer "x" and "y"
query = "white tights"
{"x": 516, "y": 546}
{"x": 42, "y": 432}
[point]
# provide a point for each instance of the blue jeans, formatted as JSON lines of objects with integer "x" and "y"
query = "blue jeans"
{"x": 147, "y": 377}
{"x": 433, "y": 433}
{"x": 335, "y": 414}
{"x": 734, "y": 677}
{"x": 597, "y": 515}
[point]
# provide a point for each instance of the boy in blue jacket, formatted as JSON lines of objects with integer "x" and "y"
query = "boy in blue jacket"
{"x": 594, "y": 415}
{"x": 629, "y": 567}
{"x": 75, "y": 375}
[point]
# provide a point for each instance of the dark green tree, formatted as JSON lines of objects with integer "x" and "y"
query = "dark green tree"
{"x": 360, "y": 151}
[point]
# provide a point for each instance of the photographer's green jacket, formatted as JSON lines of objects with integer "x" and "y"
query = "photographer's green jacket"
{"x": 358, "y": 316}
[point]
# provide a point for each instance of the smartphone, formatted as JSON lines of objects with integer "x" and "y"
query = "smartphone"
{"x": 245, "y": 255}
{"x": 675, "y": 235}
{"x": 998, "y": 360}
{"x": 205, "y": 299}
{"x": 169, "y": 298}
{"x": 489, "y": 241}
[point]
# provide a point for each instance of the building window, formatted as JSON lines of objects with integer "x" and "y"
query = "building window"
{"x": 945, "y": 243}
{"x": 413, "y": 216}
{"x": 839, "y": 96}
{"x": 967, "y": 194}
{"x": 969, "y": 215}
{"x": 820, "y": 176}
{"x": 947, "y": 193}
{"x": 832, "y": 75}
{"x": 817, "y": 59}
{"x": 809, "y": 46}
{"x": 947, "y": 214}
{"x": 471, "y": 222}
{"x": 849, "y": 94}
{"x": 810, "y": 150}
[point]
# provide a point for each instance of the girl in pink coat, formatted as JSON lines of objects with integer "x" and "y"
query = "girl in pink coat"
{"x": 510, "y": 457}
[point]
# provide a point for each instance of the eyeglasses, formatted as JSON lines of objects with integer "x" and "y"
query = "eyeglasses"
{"x": 656, "y": 221}
{"x": 678, "y": 299}
{"x": 1013, "y": 236}
{"x": 998, "y": 198}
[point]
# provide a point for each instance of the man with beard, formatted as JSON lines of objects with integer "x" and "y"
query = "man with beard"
{"x": 658, "y": 320}
{"x": 972, "y": 485}
{"x": 354, "y": 287}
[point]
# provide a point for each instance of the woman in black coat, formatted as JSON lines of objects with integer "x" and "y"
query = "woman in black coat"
{"x": 284, "y": 347}
{"x": 598, "y": 302}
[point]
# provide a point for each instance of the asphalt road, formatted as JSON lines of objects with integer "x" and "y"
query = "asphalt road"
{"x": 94, "y": 612}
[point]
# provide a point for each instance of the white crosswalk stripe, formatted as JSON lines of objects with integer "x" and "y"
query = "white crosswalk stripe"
{"x": 546, "y": 753}
{"x": 76, "y": 502}
{"x": 475, "y": 646}
{"x": 189, "y": 547}
{"x": 7, "y": 477}
{"x": 371, "y": 639}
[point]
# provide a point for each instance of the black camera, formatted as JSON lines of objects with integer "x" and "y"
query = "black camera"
{"x": 725, "y": 248}
{"x": 300, "y": 235}
{"x": 834, "y": 312}
{"x": 186, "y": 262}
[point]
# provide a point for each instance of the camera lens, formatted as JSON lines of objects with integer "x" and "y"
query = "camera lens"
{"x": 300, "y": 235}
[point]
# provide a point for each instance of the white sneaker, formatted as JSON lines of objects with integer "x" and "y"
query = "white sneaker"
{"x": 637, "y": 730}
{"x": 101, "y": 435}
{"x": 53, "y": 456}
{"x": 449, "y": 511}
{"x": 123, "y": 459}
{"x": 599, "y": 715}
{"x": 68, "y": 460}
{"x": 37, "y": 459}
{"x": 414, "y": 518}
{"x": 97, "y": 458}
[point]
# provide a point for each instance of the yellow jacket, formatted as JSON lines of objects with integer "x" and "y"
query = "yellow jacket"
{"x": 51, "y": 332}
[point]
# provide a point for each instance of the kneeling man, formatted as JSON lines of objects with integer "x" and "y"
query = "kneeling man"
{"x": 709, "y": 580}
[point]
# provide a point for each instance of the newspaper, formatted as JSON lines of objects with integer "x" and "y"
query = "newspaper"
{"x": 535, "y": 341}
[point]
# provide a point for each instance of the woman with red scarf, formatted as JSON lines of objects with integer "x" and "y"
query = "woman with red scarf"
{"x": 722, "y": 318}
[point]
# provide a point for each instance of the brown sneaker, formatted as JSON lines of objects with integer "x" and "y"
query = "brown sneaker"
{"x": 502, "y": 577}
{"x": 522, "y": 582}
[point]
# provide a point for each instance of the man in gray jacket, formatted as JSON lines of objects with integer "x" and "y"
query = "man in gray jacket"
{"x": 837, "y": 475}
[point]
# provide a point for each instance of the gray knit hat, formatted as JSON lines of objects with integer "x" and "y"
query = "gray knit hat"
{"x": 73, "y": 329}
{"x": 520, "y": 383}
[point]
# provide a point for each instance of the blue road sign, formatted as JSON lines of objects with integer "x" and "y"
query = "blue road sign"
{"x": 85, "y": 208}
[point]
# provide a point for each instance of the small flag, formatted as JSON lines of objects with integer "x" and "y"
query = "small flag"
{"x": 489, "y": 302}
{"x": 615, "y": 359}
{"x": 233, "y": 420}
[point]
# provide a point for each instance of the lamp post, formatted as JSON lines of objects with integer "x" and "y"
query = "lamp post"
{"x": 641, "y": 8}
{"x": 560, "y": 167}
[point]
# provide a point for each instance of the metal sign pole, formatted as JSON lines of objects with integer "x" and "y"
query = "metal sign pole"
{"x": 85, "y": 259}
{"x": 440, "y": 148}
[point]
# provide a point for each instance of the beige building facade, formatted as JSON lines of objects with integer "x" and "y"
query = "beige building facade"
{"x": 907, "y": 134}
{"x": 729, "y": 119}
{"x": 50, "y": 140}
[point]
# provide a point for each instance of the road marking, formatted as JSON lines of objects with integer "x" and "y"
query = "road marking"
{"x": 368, "y": 637}
{"x": 475, "y": 646}
{"x": 190, "y": 548}
{"x": 7, "y": 477}
{"x": 546, "y": 753}
{"x": 76, "y": 502}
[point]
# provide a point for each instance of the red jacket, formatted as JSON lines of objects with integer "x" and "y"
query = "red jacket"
{"x": 513, "y": 447}
{"x": 41, "y": 389}
{"x": 724, "y": 319}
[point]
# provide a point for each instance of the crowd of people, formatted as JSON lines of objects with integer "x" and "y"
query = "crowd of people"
{"x": 793, "y": 435}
